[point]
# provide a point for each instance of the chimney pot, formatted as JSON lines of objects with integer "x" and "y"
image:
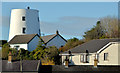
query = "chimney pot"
{"x": 57, "y": 32}
{"x": 9, "y": 57}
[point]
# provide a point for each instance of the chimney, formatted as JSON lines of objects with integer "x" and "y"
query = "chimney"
{"x": 95, "y": 62}
{"x": 10, "y": 57}
{"x": 57, "y": 32}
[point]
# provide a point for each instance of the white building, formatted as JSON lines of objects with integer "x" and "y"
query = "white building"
{"x": 24, "y": 21}
{"x": 105, "y": 51}
{"x": 54, "y": 40}
{"x": 28, "y": 42}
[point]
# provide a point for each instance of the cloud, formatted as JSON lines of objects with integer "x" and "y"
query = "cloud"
{"x": 69, "y": 25}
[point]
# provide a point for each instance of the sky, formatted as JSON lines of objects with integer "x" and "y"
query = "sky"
{"x": 71, "y": 19}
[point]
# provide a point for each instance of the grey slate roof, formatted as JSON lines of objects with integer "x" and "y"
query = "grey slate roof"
{"x": 47, "y": 38}
{"x": 27, "y": 65}
{"x": 92, "y": 46}
{"x": 22, "y": 39}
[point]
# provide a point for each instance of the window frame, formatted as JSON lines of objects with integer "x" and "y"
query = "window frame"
{"x": 82, "y": 58}
{"x": 105, "y": 56}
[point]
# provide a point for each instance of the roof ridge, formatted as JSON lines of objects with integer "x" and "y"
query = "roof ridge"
{"x": 25, "y": 34}
{"x": 48, "y": 35}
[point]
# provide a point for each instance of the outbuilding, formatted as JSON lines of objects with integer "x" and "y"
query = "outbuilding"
{"x": 27, "y": 41}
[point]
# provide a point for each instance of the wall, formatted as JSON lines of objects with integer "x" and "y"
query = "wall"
{"x": 119, "y": 54}
{"x": 33, "y": 43}
{"x": 75, "y": 59}
{"x": 20, "y": 46}
{"x": 112, "y": 51}
{"x": 57, "y": 41}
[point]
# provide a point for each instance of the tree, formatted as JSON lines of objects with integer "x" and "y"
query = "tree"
{"x": 71, "y": 43}
{"x": 96, "y": 32}
{"x": 110, "y": 24}
{"x": 5, "y": 51}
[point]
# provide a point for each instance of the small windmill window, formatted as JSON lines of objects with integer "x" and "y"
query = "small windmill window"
{"x": 23, "y": 18}
{"x": 23, "y": 29}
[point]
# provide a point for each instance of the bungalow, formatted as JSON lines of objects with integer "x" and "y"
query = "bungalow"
{"x": 54, "y": 40}
{"x": 28, "y": 41}
{"x": 95, "y": 52}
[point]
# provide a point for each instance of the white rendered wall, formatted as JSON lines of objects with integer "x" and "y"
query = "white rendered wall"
{"x": 75, "y": 59}
{"x": 33, "y": 43}
{"x": 24, "y": 46}
{"x": 57, "y": 41}
{"x": 31, "y": 22}
{"x": 119, "y": 54}
{"x": 112, "y": 51}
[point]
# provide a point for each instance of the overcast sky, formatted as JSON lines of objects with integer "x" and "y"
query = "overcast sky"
{"x": 72, "y": 19}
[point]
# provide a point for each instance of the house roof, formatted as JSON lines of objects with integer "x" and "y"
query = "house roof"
{"x": 22, "y": 39}
{"x": 27, "y": 65}
{"x": 47, "y": 38}
{"x": 92, "y": 46}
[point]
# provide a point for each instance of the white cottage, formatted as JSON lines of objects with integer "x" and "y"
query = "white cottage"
{"x": 104, "y": 51}
{"x": 28, "y": 41}
{"x": 54, "y": 40}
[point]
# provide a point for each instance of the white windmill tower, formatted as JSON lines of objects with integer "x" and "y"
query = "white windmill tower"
{"x": 24, "y": 21}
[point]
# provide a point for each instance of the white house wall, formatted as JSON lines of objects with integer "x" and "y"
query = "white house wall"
{"x": 75, "y": 59}
{"x": 33, "y": 43}
{"x": 24, "y": 46}
{"x": 119, "y": 54}
{"x": 57, "y": 41}
{"x": 112, "y": 51}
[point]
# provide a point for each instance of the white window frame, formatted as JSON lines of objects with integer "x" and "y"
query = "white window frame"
{"x": 105, "y": 56}
{"x": 82, "y": 58}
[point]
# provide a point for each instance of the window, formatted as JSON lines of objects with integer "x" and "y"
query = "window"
{"x": 97, "y": 57}
{"x": 82, "y": 58}
{"x": 23, "y": 18}
{"x": 38, "y": 19}
{"x": 39, "y": 32}
{"x": 105, "y": 56}
{"x": 87, "y": 58}
{"x": 23, "y": 29}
